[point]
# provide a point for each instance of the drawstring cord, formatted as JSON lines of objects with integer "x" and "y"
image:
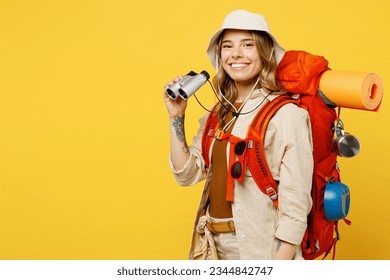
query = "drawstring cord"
{"x": 237, "y": 111}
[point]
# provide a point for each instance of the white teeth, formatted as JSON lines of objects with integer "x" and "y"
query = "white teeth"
{"x": 238, "y": 65}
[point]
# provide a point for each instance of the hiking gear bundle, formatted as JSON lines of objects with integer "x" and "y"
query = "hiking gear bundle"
{"x": 299, "y": 73}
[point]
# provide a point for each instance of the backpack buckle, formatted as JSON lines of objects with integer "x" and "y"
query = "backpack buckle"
{"x": 271, "y": 193}
{"x": 219, "y": 134}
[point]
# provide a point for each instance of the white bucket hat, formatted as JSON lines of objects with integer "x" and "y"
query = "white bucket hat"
{"x": 242, "y": 20}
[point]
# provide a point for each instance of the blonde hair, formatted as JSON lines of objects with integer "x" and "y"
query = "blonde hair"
{"x": 267, "y": 76}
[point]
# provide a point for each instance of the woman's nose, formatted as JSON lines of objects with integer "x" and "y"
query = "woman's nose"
{"x": 237, "y": 52}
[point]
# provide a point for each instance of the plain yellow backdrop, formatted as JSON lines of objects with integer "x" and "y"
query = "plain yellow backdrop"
{"x": 84, "y": 131}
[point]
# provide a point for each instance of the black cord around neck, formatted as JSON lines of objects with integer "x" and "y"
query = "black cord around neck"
{"x": 235, "y": 114}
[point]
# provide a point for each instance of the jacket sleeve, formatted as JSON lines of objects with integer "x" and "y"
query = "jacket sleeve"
{"x": 293, "y": 143}
{"x": 194, "y": 170}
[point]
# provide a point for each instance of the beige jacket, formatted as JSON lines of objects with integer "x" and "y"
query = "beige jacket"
{"x": 288, "y": 148}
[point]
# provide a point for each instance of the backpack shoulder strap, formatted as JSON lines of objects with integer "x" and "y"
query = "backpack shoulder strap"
{"x": 257, "y": 161}
{"x": 209, "y": 130}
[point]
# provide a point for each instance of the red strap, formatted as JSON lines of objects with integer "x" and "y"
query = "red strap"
{"x": 233, "y": 140}
{"x": 208, "y": 136}
{"x": 255, "y": 156}
{"x": 257, "y": 160}
{"x": 332, "y": 247}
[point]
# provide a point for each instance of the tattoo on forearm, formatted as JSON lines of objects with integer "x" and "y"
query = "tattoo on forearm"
{"x": 178, "y": 124}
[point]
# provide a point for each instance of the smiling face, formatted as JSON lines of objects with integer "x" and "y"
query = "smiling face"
{"x": 239, "y": 56}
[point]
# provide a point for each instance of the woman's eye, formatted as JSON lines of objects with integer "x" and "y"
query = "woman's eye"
{"x": 226, "y": 46}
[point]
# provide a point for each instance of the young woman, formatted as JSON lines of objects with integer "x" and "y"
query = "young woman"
{"x": 248, "y": 226}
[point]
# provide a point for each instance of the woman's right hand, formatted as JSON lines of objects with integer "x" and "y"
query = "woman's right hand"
{"x": 176, "y": 107}
{"x": 179, "y": 150}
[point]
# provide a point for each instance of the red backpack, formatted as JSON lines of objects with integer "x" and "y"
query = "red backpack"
{"x": 299, "y": 73}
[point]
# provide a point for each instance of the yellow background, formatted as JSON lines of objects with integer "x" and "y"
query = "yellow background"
{"x": 84, "y": 131}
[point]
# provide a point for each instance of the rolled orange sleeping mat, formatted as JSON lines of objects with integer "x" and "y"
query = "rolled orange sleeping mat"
{"x": 352, "y": 89}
